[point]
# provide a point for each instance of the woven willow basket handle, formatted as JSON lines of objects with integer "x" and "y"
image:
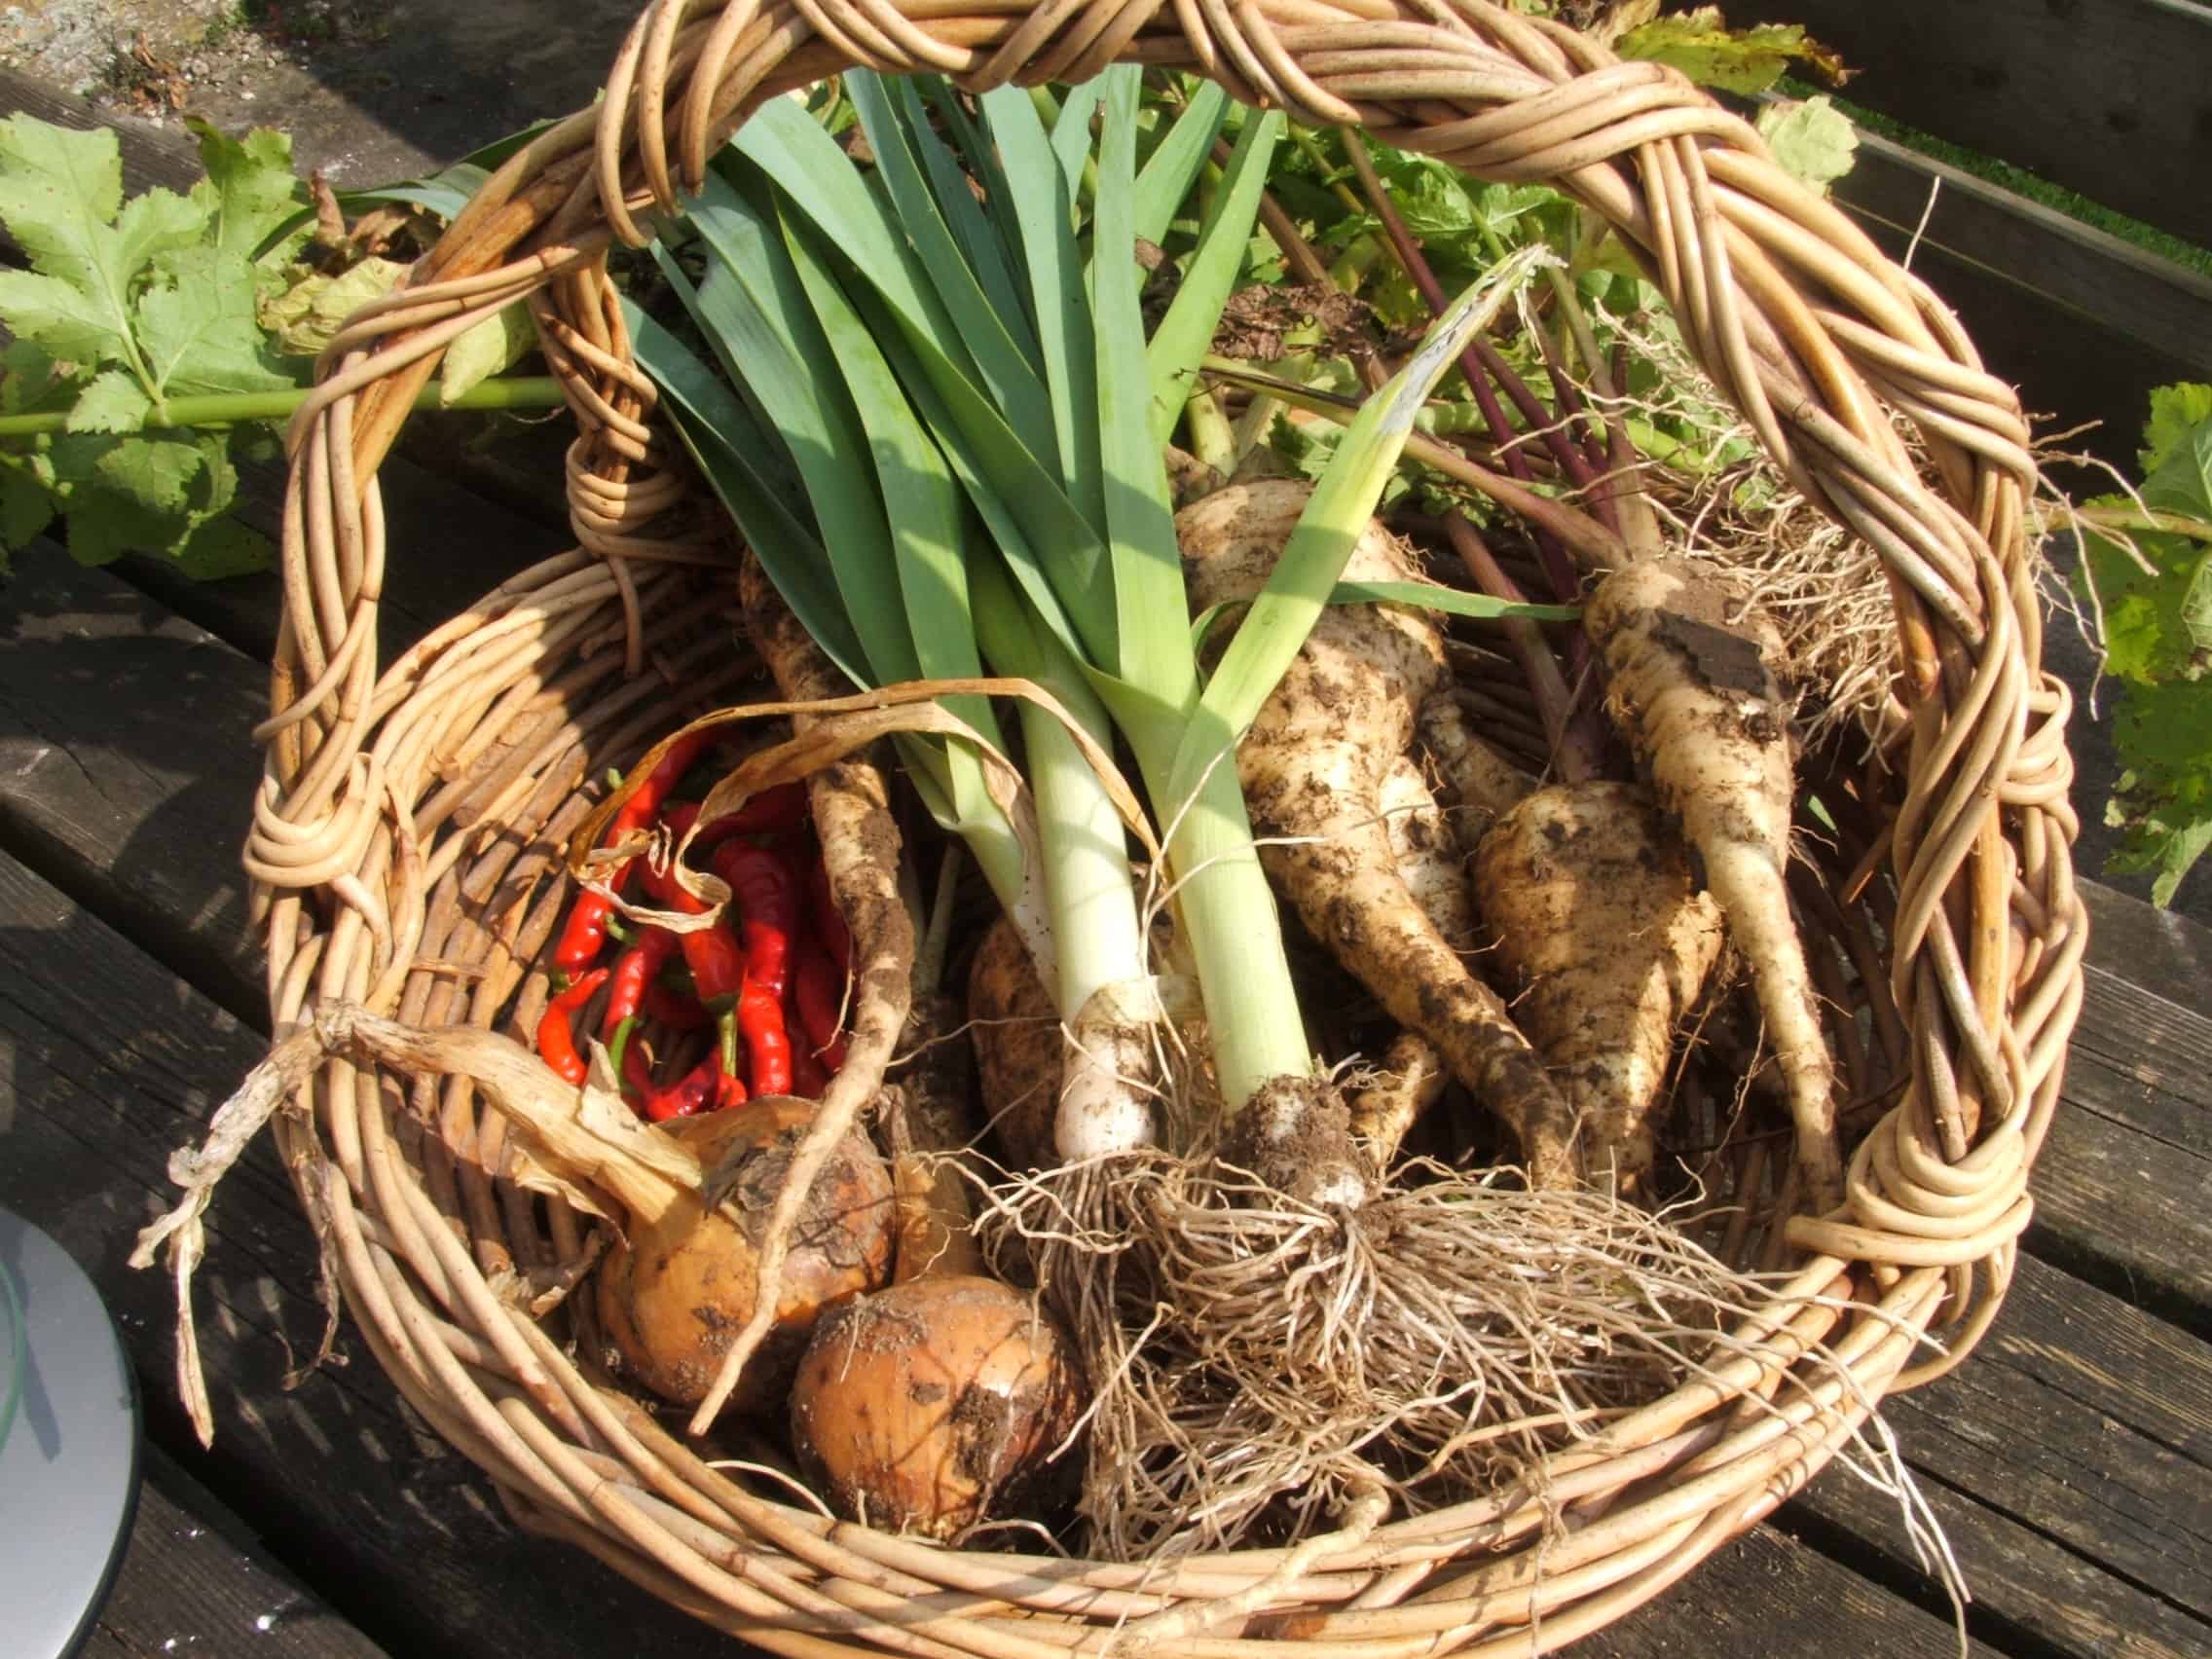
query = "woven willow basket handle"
{"x": 1814, "y": 335}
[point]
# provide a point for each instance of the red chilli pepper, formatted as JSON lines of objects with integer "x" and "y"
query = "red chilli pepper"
{"x": 768, "y": 813}
{"x": 705, "y": 1088}
{"x": 713, "y": 955}
{"x": 818, "y": 987}
{"x": 674, "y": 1010}
{"x": 829, "y": 922}
{"x": 765, "y": 888}
{"x": 557, "y": 1038}
{"x": 808, "y": 1079}
{"x": 767, "y": 1045}
{"x": 635, "y": 972}
{"x": 781, "y": 808}
{"x": 585, "y": 935}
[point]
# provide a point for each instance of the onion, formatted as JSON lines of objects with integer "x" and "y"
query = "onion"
{"x": 932, "y": 1406}
{"x": 936, "y": 1404}
{"x": 676, "y": 1291}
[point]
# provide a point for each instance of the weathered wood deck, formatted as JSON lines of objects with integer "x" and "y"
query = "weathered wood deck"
{"x": 2070, "y": 1463}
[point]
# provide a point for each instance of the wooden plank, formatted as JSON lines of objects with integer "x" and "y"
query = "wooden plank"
{"x": 2070, "y": 1465}
{"x": 2133, "y": 1137}
{"x": 126, "y": 764}
{"x": 2083, "y": 323}
{"x": 2117, "y": 1209}
{"x": 2160, "y": 948}
{"x": 106, "y": 1063}
{"x": 1768, "y": 1593}
{"x": 2093, "y": 275}
{"x": 2109, "y": 97}
{"x": 2160, "y": 1049}
{"x": 92, "y": 1095}
{"x": 195, "y": 1580}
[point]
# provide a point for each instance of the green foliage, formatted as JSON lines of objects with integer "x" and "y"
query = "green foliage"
{"x": 128, "y": 305}
{"x": 1703, "y": 47}
{"x": 2158, "y": 623}
{"x": 1813, "y": 140}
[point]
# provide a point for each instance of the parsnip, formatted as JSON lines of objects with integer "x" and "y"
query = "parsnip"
{"x": 1473, "y": 780}
{"x": 1312, "y": 769}
{"x": 1691, "y": 683}
{"x": 1592, "y": 910}
{"x": 1426, "y": 847}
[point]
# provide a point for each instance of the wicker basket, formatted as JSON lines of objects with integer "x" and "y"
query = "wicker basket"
{"x": 406, "y": 848}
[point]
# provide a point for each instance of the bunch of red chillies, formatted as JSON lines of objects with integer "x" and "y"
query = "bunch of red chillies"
{"x": 769, "y": 975}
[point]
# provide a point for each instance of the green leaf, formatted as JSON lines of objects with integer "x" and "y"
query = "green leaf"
{"x": 146, "y": 494}
{"x": 982, "y": 237}
{"x": 2182, "y": 481}
{"x": 754, "y": 309}
{"x": 1452, "y": 601}
{"x": 2165, "y": 799}
{"x": 1148, "y": 570}
{"x": 492, "y": 347}
{"x": 1071, "y": 129}
{"x": 60, "y": 192}
{"x": 1733, "y": 60}
{"x": 223, "y": 546}
{"x": 921, "y": 501}
{"x": 199, "y": 330}
{"x": 59, "y": 195}
{"x": 2159, "y": 644}
{"x": 1001, "y": 471}
{"x": 26, "y": 507}
{"x": 2175, "y": 411}
{"x": 32, "y": 382}
{"x": 70, "y": 323}
{"x": 2158, "y": 622}
{"x": 155, "y": 472}
{"x": 1813, "y": 142}
{"x": 1041, "y": 204}
{"x": 1007, "y": 373}
{"x": 1174, "y": 165}
{"x": 1172, "y": 354}
{"x": 787, "y": 149}
{"x": 113, "y": 402}
{"x": 252, "y": 197}
{"x": 155, "y": 226}
{"x": 715, "y": 427}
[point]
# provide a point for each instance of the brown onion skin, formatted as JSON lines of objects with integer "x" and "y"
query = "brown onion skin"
{"x": 933, "y": 1405}
{"x": 673, "y": 1296}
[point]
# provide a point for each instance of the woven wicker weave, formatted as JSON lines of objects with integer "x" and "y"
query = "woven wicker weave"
{"x": 406, "y": 840}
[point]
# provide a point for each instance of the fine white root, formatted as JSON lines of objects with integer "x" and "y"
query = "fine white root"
{"x": 1257, "y": 1363}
